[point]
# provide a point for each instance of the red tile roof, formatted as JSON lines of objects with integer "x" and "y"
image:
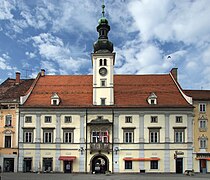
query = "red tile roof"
{"x": 202, "y": 95}
{"x": 129, "y": 90}
{"x": 10, "y": 92}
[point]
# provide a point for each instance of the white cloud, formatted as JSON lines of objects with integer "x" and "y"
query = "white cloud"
{"x": 4, "y": 65}
{"x": 55, "y": 53}
{"x": 31, "y": 55}
{"x": 5, "y": 9}
{"x": 171, "y": 20}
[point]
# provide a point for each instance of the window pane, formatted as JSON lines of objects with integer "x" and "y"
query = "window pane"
{"x": 128, "y": 164}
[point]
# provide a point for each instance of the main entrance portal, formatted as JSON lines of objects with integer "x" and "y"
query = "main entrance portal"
{"x": 99, "y": 164}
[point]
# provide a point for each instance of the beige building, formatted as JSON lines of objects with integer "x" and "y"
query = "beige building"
{"x": 10, "y": 91}
{"x": 201, "y": 101}
{"x": 106, "y": 122}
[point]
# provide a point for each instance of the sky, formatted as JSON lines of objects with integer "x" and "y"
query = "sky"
{"x": 149, "y": 37}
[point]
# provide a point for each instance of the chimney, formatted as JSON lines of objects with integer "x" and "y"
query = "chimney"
{"x": 17, "y": 79}
{"x": 42, "y": 72}
{"x": 174, "y": 73}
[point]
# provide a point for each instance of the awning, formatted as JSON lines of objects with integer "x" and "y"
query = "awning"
{"x": 140, "y": 159}
{"x": 67, "y": 158}
{"x": 208, "y": 159}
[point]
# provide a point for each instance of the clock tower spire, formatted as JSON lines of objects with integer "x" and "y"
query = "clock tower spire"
{"x": 103, "y": 60}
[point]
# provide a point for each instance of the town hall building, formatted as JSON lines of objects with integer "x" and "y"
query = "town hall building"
{"x": 105, "y": 122}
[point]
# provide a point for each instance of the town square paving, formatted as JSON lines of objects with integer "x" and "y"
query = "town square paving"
{"x": 34, "y": 176}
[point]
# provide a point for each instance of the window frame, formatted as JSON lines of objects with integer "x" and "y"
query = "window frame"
{"x": 201, "y": 124}
{"x": 154, "y": 164}
{"x": 66, "y": 117}
{"x": 128, "y": 164}
{"x": 46, "y": 117}
{"x": 128, "y": 135}
{"x": 154, "y": 119}
{"x": 103, "y": 101}
{"x": 25, "y": 132}
{"x": 103, "y": 82}
{"x": 6, "y": 144}
{"x": 203, "y": 143}
{"x": 49, "y": 140}
{"x": 177, "y": 137}
{"x": 202, "y": 107}
{"x": 128, "y": 119}
{"x": 28, "y": 119}
{"x": 99, "y": 136}
{"x": 179, "y": 119}
{"x": 154, "y": 135}
{"x": 8, "y": 122}
{"x": 70, "y": 132}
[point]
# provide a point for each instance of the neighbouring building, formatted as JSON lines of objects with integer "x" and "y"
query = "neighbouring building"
{"x": 10, "y": 91}
{"x": 106, "y": 122}
{"x": 201, "y": 101}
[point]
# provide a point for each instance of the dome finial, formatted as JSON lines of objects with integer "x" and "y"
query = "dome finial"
{"x": 103, "y": 7}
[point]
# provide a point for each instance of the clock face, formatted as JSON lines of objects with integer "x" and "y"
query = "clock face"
{"x": 103, "y": 71}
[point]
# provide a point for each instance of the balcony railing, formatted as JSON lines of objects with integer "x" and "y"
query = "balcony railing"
{"x": 103, "y": 147}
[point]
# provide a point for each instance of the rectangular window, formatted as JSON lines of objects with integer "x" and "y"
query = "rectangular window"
{"x": 47, "y": 164}
{"x": 103, "y": 82}
{"x": 154, "y": 119}
{"x": 202, "y": 107}
{"x": 128, "y": 164}
{"x": 202, "y": 124}
{"x": 55, "y": 102}
{"x": 128, "y": 119}
{"x": 178, "y": 119}
{"x": 8, "y": 120}
{"x": 68, "y": 136}
{"x": 48, "y": 136}
{"x": 179, "y": 135}
{"x": 128, "y": 135}
{"x": 100, "y": 136}
{"x": 68, "y": 119}
{"x": 7, "y": 143}
{"x": 28, "y": 136}
{"x": 154, "y": 135}
{"x": 203, "y": 143}
{"x": 48, "y": 119}
{"x": 103, "y": 101}
{"x": 153, "y": 164}
{"x": 28, "y": 119}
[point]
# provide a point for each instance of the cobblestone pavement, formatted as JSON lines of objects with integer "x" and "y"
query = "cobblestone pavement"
{"x": 34, "y": 176}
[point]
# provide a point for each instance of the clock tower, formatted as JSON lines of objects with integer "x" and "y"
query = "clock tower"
{"x": 103, "y": 60}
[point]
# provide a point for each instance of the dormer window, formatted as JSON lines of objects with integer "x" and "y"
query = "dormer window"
{"x": 55, "y": 100}
{"x": 152, "y": 99}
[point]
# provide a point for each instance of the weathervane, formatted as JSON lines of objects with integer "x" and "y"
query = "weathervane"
{"x": 103, "y": 7}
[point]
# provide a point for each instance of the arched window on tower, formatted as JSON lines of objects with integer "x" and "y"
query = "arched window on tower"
{"x": 101, "y": 62}
{"x": 105, "y": 62}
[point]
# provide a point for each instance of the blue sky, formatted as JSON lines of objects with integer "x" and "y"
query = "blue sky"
{"x": 57, "y": 35}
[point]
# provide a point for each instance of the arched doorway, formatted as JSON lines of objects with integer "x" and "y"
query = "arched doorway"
{"x": 99, "y": 164}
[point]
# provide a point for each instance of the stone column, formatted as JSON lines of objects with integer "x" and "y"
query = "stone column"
{"x": 116, "y": 141}
{"x": 21, "y": 151}
{"x": 37, "y": 145}
{"x": 58, "y": 141}
{"x": 141, "y": 140}
{"x": 82, "y": 144}
{"x": 167, "y": 146}
{"x": 189, "y": 141}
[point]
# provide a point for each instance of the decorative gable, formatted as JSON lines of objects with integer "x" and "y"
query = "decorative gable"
{"x": 152, "y": 99}
{"x": 55, "y": 99}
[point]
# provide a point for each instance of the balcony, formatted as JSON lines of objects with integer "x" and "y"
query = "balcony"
{"x": 101, "y": 147}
